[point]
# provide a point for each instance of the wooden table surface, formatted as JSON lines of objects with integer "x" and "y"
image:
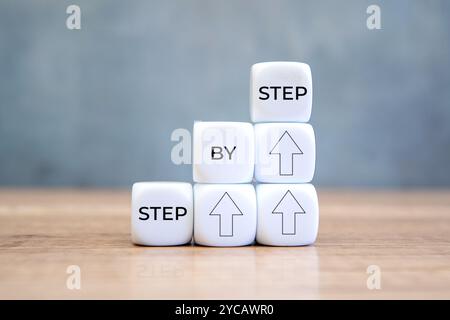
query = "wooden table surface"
{"x": 405, "y": 234}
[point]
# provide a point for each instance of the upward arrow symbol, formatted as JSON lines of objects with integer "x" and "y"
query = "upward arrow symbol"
{"x": 286, "y": 148}
{"x": 226, "y": 209}
{"x": 288, "y": 207}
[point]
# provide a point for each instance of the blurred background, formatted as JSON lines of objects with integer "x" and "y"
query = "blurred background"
{"x": 96, "y": 107}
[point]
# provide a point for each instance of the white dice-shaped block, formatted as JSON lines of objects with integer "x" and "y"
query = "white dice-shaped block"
{"x": 162, "y": 213}
{"x": 223, "y": 152}
{"x": 285, "y": 152}
{"x": 288, "y": 214}
{"x": 225, "y": 214}
{"x": 280, "y": 91}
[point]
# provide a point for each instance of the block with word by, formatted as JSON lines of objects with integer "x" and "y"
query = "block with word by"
{"x": 161, "y": 213}
{"x": 225, "y": 214}
{"x": 223, "y": 152}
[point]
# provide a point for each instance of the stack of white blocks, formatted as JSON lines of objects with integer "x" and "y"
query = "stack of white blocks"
{"x": 224, "y": 209}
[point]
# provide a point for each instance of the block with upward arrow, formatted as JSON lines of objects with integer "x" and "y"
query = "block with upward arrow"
{"x": 288, "y": 214}
{"x": 225, "y": 214}
{"x": 285, "y": 152}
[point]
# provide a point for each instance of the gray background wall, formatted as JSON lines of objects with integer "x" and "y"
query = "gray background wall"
{"x": 96, "y": 107}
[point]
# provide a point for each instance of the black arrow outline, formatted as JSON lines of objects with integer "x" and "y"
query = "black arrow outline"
{"x": 279, "y": 155}
{"x": 282, "y": 214}
{"x": 220, "y": 216}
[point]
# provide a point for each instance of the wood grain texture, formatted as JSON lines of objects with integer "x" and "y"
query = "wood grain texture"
{"x": 42, "y": 232}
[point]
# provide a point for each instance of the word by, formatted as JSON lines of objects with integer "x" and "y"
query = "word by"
{"x": 217, "y": 152}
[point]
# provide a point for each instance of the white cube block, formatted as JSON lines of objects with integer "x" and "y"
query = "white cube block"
{"x": 280, "y": 91}
{"x": 223, "y": 152}
{"x": 285, "y": 152}
{"x": 225, "y": 214}
{"x": 288, "y": 214}
{"x": 162, "y": 213}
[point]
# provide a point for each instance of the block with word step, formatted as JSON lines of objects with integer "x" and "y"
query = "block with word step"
{"x": 162, "y": 213}
{"x": 223, "y": 152}
{"x": 288, "y": 214}
{"x": 285, "y": 152}
{"x": 280, "y": 92}
{"x": 225, "y": 214}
